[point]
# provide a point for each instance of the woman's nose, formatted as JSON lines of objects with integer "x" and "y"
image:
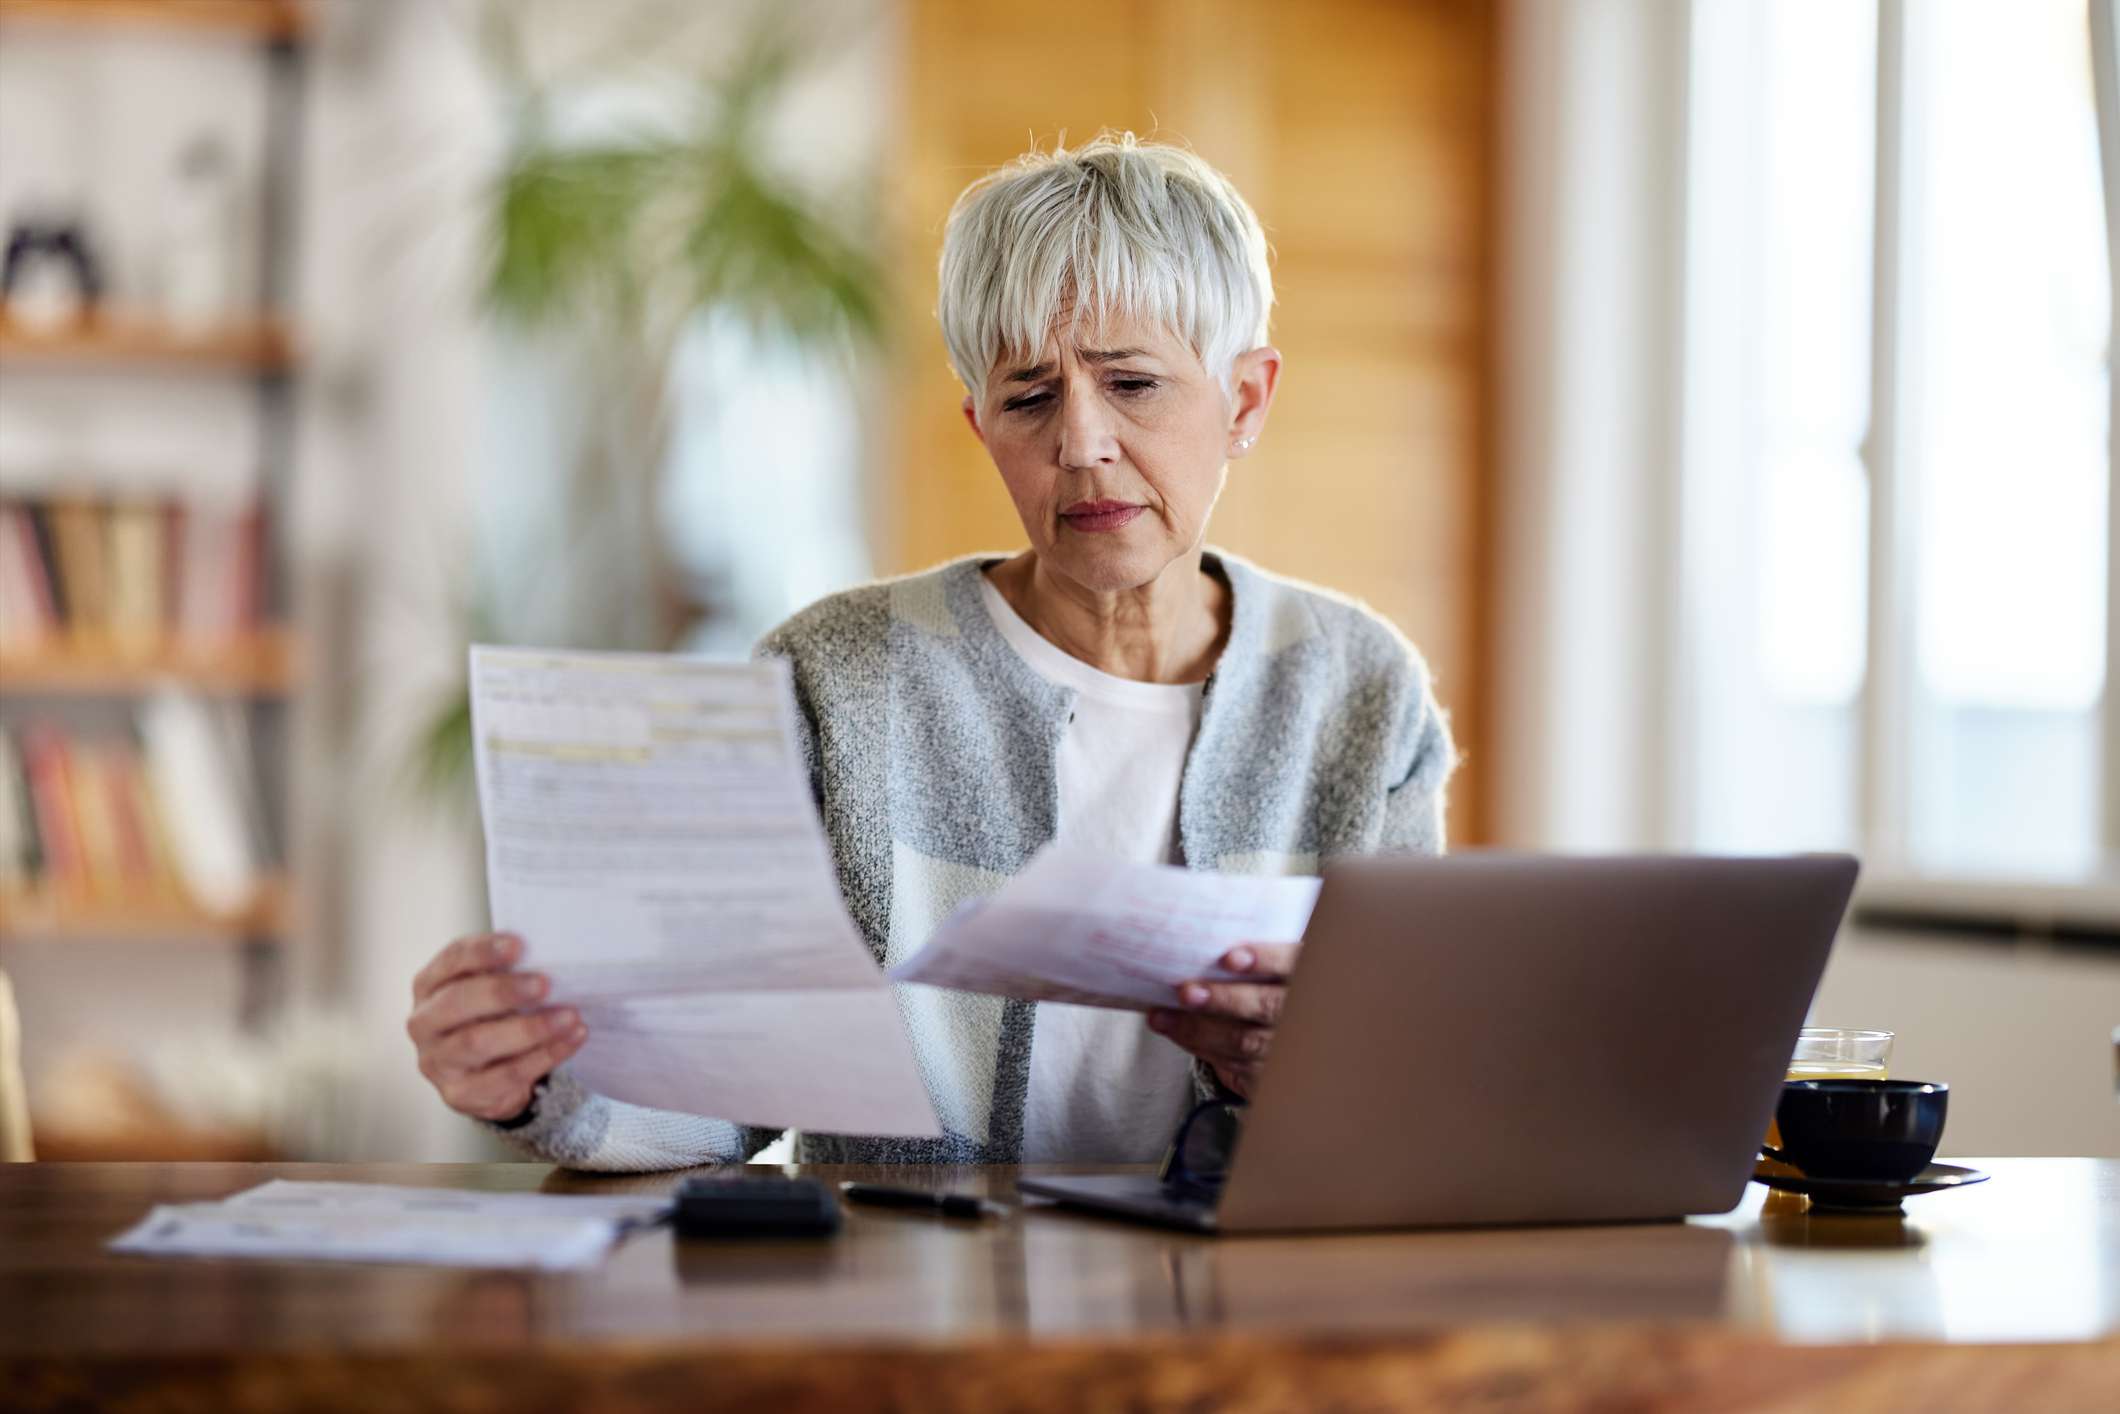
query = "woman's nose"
{"x": 1086, "y": 437}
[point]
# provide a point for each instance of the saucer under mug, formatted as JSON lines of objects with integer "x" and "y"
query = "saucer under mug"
{"x": 1862, "y": 1195}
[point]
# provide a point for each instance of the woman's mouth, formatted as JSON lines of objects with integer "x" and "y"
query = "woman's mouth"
{"x": 1100, "y": 515}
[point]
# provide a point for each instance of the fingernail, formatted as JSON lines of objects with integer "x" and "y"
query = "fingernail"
{"x": 578, "y": 1032}
{"x": 1193, "y": 994}
{"x": 507, "y": 946}
{"x": 1159, "y": 1021}
{"x": 566, "y": 1019}
{"x": 532, "y": 986}
{"x": 1241, "y": 959}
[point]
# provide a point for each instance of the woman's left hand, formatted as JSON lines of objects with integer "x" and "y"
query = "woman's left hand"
{"x": 1230, "y": 1024}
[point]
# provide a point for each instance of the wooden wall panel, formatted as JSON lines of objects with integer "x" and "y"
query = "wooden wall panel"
{"x": 1361, "y": 131}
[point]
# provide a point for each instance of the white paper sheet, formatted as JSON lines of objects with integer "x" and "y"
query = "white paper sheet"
{"x": 380, "y": 1222}
{"x": 650, "y": 835}
{"x": 449, "y": 1240}
{"x": 1076, "y": 927}
{"x": 294, "y": 1196}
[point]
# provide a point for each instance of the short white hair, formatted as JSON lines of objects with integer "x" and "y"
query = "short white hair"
{"x": 1116, "y": 228}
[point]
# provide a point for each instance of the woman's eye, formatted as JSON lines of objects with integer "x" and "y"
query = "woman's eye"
{"x": 1133, "y": 385}
{"x": 1029, "y": 402}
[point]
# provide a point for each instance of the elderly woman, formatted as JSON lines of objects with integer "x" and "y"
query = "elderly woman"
{"x": 1116, "y": 685}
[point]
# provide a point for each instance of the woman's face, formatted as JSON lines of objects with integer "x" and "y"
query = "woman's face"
{"x": 1114, "y": 445}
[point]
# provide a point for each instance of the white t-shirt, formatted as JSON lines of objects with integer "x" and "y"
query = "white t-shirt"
{"x": 1103, "y": 1087}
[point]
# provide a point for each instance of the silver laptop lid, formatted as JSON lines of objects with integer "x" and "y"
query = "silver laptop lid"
{"x": 1488, "y": 1038}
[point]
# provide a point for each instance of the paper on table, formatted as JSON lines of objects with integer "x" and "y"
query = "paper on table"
{"x": 650, "y": 835}
{"x": 1076, "y": 927}
{"x": 383, "y": 1222}
{"x": 368, "y": 1235}
{"x": 289, "y": 1195}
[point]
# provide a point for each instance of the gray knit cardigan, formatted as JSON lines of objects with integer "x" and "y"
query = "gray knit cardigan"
{"x": 931, "y": 746}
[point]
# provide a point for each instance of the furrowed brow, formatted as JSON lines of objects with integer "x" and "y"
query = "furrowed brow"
{"x": 1033, "y": 372}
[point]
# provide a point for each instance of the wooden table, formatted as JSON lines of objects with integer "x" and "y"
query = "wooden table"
{"x": 2005, "y": 1296}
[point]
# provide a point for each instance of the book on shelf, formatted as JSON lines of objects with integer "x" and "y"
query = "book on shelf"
{"x": 128, "y": 575}
{"x": 47, "y": 780}
{"x": 137, "y": 594}
{"x": 77, "y": 537}
{"x": 28, "y": 599}
{"x": 168, "y": 815}
{"x": 21, "y": 857}
{"x": 199, "y": 767}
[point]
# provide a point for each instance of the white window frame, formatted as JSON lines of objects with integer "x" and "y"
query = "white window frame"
{"x": 2105, "y": 72}
{"x": 1888, "y": 674}
{"x": 1596, "y": 634}
{"x": 1892, "y": 885}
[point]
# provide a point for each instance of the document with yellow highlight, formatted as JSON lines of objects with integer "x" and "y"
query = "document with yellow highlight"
{"x": 650, "y": 835}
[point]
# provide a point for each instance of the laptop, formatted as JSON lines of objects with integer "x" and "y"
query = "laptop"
{"x": 1505, "y": 1039}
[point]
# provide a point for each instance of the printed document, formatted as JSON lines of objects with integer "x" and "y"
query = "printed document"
{"x": 396, "y": 1199}
{"x": 1076, "y": 927}
{"x": 650, "y": 835}
{"x": 364, "y": 1222}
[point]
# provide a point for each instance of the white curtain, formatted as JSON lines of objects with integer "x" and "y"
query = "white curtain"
{"x": 1593, "y": 200}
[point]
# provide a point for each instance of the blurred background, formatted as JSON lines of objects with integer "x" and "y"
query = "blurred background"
{"x": 1718, "y": 391}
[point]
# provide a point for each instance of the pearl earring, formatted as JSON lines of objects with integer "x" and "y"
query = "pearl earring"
{"x": 1244, "y": 443}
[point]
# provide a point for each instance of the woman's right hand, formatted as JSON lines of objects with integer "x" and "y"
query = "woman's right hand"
{"x": 483, "y": 1041}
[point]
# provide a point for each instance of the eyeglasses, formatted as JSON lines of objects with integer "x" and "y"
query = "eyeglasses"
{"x": 1197, "y": 1162}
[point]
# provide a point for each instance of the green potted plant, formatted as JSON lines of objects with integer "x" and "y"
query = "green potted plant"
{"x": 619, "y": 247}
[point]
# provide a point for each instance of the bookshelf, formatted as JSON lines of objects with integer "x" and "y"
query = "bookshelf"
{"x": 80, "y": 687}
{"x": 262, "y": 663}
{"x": 164, "y": 1141}
{"x": 121, "y": 341}
{"x": 48, "y": 916}
{"x": 259, "y": 19}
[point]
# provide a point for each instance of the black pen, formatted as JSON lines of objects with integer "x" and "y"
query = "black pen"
{"x": 949, "y": 1205}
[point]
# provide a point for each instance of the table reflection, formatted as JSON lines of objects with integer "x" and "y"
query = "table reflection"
{"x": 2010, "y": 1259}
{"x": 1087, "y": 1274}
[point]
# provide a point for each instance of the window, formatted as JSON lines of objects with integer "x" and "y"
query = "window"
{"x": 2003, "y": 386}
{"x": 1896, "y": 465}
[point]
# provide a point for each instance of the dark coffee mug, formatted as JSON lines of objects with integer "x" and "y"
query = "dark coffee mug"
{"x": 1882, "y": 1131}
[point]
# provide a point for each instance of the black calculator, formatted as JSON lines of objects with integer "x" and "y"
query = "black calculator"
{"x": 747, "y": 1206}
